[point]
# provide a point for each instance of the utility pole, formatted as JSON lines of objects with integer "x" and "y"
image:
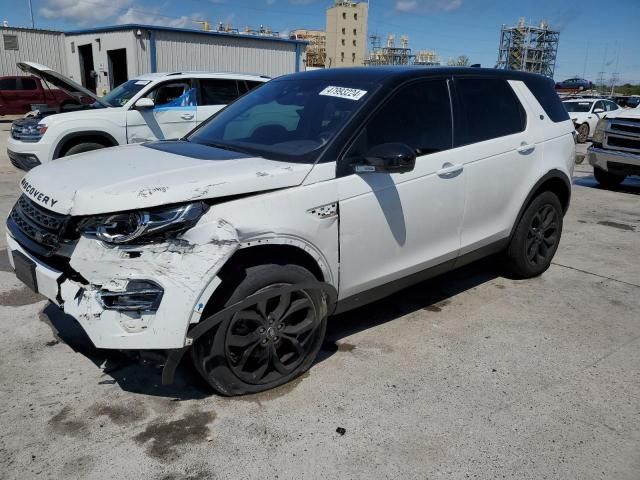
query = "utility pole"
{"x": 33, "y": 24}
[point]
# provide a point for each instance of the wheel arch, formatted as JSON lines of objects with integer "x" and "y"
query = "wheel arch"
{"x": 554, "y": 181}
{"x": 74, "y": 138}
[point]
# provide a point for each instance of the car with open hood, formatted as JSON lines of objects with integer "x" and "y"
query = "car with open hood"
{"x": 155, "y": 106}
{"x": 312, "y": 195}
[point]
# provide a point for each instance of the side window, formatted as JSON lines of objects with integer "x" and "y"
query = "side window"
{"x": 486, "y": 108}
{"x": 8, "y": 84}
{"x": 418, "y": 115}
{"x": 543, "y": 89}
{"x": 173, "y": 94}
{"x": 218, "y": 92}
{"x": 28, "y": 84}
{"x": 610, "y": 106}
{"x": 599, "y": 105}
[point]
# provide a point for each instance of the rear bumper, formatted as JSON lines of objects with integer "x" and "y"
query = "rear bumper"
{"x": 626, "y": 163}
{"x": 23, "y": 161}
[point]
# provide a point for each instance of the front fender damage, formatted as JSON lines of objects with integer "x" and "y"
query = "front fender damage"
{"x": 183, "y": 267}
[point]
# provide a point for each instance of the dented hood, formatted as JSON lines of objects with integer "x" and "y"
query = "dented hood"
{"x": 142, "y": 176}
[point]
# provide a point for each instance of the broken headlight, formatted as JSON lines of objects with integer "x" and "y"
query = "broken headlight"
{"x": 144, "y": 226}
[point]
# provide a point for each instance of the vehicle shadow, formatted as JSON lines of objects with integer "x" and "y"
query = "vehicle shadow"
{"x": 426, "y": 295}
{"x": 141, "y": 373}
{"x": 630, "y": 184}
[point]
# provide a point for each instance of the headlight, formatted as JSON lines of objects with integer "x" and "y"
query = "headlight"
{"x": 598, "y": 133}
{"x": 28, "y": 132}
{"x": 144, "y": 226}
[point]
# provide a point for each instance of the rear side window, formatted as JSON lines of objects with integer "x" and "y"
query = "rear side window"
{"x": 218, "y": 92}
{"x": 245, "y": 85}
{"x": 486, "y": 108}
{"x": 543, "y": 89}
{"x": 418, "y": 115}
{"x": 8, "y": 84}
{"x": 29, "y": 84}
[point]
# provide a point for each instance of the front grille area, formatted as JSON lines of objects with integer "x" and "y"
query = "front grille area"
{"x": 626, "y": 127}
{"x": 626, "y": 143}
{"x": 35, "y": 228}
{"x": 623, "y": 134}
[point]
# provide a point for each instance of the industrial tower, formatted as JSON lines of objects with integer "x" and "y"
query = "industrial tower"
{"x": 528, "y": 48}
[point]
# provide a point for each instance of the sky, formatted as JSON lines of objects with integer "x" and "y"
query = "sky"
{"x": 595, "y": 36}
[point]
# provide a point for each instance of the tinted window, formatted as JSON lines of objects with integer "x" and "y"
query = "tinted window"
{"x": 419, "y": 115}
{"x": 578, "y": 107}
{"x": 218, "y": 92}
{"x": 486, "y": 108}
{"x": 599, "y": 105}
{"x": 7, "y": 83}
{"x": 543, "y": 89}
{"x": 29, "y": 84}
{"x": 245, "y": 85}
{"x": 171, "y": 93}
{"x": 610, "y": 106}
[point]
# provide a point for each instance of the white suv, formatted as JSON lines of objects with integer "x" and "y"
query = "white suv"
{"x": 314, "y": 194}
{"x": 155, "y": 106}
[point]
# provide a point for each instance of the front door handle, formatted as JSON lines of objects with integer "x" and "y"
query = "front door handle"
{"x": 525, "y": 148}
{"x": 449, "y": 170}
{"x": 186, "y": 116}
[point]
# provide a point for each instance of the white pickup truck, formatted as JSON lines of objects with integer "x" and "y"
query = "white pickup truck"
{"x": 615, "y": 153}
{"x": 155, "y": 106}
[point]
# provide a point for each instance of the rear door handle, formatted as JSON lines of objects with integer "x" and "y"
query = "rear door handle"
{"x": 186, "y": 116}
{"x": 449, "y": 170}
{"x": 525, "y": 148}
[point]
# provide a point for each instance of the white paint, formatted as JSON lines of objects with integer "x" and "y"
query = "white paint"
{"x": 343, "y": 92}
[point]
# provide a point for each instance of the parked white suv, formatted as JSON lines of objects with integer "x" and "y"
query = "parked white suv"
{"x": 586, "y": 112}
{"x": 155, "y": 106}
{"x": 314, "y": 194}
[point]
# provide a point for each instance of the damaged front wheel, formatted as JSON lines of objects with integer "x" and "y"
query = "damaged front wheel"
{"x": 266, "y": 344}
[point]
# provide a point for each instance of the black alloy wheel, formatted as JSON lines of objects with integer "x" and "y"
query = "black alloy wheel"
{"x": 542, "y": 237}
{"x": 271, "y": 339}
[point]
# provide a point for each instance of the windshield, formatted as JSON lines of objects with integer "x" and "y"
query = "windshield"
{"x": 578, "y": 106}
{"x": 290, "y": 120}
{"x": 124, "y": 92}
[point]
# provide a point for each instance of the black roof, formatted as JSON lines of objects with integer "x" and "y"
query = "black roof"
{"x": 384, "y": 74}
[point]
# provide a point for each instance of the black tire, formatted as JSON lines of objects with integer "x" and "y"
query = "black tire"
{"x": 583, "y": 132}
{"x": 250, "y": 351}
{"x": 536, "y": 237}
{"x": 607, "y": 179}
{"x": 83, "y": 147}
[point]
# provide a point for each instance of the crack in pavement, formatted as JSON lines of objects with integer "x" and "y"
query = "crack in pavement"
{"x": 596, "y": 274}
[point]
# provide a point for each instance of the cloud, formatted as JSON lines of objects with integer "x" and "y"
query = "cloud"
{"x": 427, "y": 6}
{"x": 154, "y": 17}
{"x": 83, "y": 12}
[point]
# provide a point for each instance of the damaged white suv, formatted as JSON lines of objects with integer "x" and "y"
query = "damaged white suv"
{"x": 314, "y": 194}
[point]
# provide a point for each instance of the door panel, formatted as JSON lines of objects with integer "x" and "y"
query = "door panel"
{"x": 497, "y": 169}
{"x": 393, "y": 225}
{"x": 173, "y": 116}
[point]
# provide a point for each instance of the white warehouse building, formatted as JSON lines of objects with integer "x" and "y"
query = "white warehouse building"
{"x": 102, "y": 58}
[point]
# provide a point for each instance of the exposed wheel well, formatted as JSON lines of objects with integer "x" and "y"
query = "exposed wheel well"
{"x": 74, "y": 140}
{"x": 232, "y": 272}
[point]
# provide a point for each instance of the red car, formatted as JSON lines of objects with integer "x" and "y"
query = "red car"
{"x": 19, "y": 95}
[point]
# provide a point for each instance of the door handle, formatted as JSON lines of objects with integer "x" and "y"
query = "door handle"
{"x": 525, "y": 148}
{"x": 449, "y": 170}
{"x": 186, "y": 116}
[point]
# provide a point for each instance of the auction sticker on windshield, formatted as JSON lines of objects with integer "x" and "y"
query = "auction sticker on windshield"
{"x": 344, "y": 92}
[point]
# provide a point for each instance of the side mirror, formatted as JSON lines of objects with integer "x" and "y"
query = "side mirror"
{"x": 598, "y": 110}
{"x": 388, "y": 158}
{"x": 144, "y": 104}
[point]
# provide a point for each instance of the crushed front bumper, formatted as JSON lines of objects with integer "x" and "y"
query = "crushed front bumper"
{"x": 187, "y": 274}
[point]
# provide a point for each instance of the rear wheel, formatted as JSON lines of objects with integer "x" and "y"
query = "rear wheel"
{"x": 536, "y": 237}
{"x": 266, "y": 344}
{"x": 607, "y": 179}
{"x": 583, "y": 133}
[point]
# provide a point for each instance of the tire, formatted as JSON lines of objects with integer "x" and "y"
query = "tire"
{"x": 583, "y": 133}
{"x": 536, "y": 237}
{"x": 236, "y": 365}
{"x": 607, "y": 179}
{"x": 83, "y": 147}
